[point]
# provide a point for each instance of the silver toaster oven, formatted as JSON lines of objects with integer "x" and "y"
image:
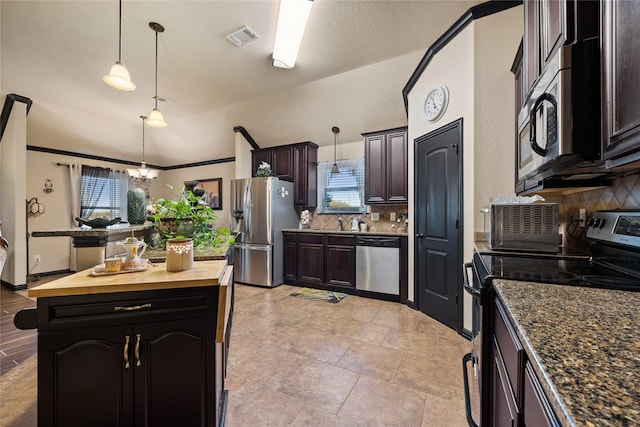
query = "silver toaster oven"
{"x": 523, "y": 227}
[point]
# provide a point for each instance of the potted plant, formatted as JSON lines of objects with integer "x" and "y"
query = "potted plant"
{"x": 185, "y": 216}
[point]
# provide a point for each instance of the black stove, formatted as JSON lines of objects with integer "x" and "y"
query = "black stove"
{"x": 614, "y": 263}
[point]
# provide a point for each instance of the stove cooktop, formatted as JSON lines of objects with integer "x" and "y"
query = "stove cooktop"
{"x": 558, "y": 270}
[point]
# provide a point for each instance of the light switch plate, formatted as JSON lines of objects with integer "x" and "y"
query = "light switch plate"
{"x": 375, "y": 216}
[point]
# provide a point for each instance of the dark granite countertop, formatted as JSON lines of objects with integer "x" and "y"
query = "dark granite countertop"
{"x": 326, "y": 231}
{"x": 116, "y": 229}
{"x": 584, "y": 344}
{"x": 483, "y": 247}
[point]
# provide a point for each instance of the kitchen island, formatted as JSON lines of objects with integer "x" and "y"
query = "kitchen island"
{"x": 583, "y": 345}
{"x": 139, "y": 348}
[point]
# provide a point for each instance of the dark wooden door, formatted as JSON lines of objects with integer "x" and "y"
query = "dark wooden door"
{"x": 290, "y": 257}
{"x": 531, "y": 45}
{"x": 503, "y": 405}
{"x": 396, "y": 167}
{"x": 83, "y": 378}
{"x": 621, "y": 68}
{"x": 282, "y": 158}
{"x": 173, "y": 362}
{"x": 375, "y": 170}
{"x": 553, "y": 28}
{"x": 301, "y": 177}
{"x": 311, "y": 258}
{"x": 340, "y": 261}
{"x": 438, "y": 244}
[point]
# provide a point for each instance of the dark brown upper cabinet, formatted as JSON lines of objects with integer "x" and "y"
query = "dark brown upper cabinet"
{"x": 620, "y": 42}
{"x": 550, "y": 24}
{"x": 296, "y": 163}
{"x": 385, "y": 166}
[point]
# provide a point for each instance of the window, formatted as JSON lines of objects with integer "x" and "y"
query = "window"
{"x": 342, "y": 192}
{"x": 103, "y": 193}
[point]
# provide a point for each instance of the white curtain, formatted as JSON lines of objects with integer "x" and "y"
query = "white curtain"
{"x": 75, "y": 176}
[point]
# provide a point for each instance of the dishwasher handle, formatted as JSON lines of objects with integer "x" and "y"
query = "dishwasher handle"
{"x": 378, "y": 242}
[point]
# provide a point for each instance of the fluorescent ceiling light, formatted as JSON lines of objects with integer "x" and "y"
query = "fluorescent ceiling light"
{"x": 292, "y": 21}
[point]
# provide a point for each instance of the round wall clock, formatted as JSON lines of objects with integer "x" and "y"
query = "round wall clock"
{"x": 436, "y": 102}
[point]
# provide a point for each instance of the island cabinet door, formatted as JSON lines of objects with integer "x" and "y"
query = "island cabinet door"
{"x": 83, "y": 378}
{"x": 174, "y": 378}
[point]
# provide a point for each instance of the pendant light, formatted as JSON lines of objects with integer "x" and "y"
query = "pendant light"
{"x": 155, "y": 118}
{"x": 143, "y": 175}
{"x": 336, "y": 131}
{"x": 119, "y": 77}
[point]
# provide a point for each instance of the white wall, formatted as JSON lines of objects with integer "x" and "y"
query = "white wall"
{"x": 475, "y": 66}
{"x": 453, "y": 66}
{"x": 13, "y": 179}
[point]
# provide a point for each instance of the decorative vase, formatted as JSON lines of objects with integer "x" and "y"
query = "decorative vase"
{"x": 179, "y": 254}
{"x": 136, "y": 206}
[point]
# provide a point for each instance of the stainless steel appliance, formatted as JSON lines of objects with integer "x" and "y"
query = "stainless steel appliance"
{"x": 523, "y": 227}
{"x": 378, "y": 264}
{"x": 260, "y": 209}
{"x": 559, "y": 125}
{"x": 614, "y": 264}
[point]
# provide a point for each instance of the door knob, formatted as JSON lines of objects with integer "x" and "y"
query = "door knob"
{"x": 419, "y": 235}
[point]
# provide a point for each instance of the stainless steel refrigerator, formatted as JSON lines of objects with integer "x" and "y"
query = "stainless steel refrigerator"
{"x": 260, "y": 209}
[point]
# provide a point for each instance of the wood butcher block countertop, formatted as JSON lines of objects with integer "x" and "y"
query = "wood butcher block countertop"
{"x": 204, "y": 273}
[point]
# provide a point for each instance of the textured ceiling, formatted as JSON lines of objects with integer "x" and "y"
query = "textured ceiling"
{"x": 56, "y": 52}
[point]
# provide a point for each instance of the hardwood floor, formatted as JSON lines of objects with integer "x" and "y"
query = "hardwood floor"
{"x": 16, "y": 345}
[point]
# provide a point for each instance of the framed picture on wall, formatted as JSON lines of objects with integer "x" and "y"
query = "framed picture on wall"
{"x": 212, "y": 192}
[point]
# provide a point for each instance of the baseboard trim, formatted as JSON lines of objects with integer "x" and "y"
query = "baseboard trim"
{"x": 13, "y": 287}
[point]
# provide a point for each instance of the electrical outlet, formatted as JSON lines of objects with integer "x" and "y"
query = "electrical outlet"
{"x": 37, "y": 258}
{"x": 583, "y": 217}
{"x": 375, "y": 216}
{"x": 392, "y": 216}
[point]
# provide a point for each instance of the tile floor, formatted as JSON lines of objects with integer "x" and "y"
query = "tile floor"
{"x": 296, "y": 362}
{"x": 360, "y": 362}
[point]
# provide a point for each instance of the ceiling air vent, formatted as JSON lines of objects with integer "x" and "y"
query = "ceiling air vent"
{"x": 242, "y": 36}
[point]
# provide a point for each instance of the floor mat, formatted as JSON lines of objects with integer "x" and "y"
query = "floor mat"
{"x": 319, "y": 295}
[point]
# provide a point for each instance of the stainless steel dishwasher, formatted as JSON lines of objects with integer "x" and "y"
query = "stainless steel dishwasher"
{"x": 378, "y": 264}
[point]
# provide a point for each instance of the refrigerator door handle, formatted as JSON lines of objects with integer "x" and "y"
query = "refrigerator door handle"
{"x": 253, "y": 247}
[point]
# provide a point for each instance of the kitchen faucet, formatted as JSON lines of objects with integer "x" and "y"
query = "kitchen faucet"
{"x": 340, "y": 227}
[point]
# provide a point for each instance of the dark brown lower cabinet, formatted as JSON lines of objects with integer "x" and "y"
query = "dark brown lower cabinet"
{"x": 310, "y": 259}
{"x": 537, "y": 410}
{"x": 340, "y": 261}
{"x": 290, "y": 257}
{"x": 102, "y": 365}
{"x": 517, "y": 398}
{"x": 505, "y": 409}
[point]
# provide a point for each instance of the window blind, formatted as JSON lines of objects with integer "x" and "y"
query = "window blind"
{"x": 342, "y": 192}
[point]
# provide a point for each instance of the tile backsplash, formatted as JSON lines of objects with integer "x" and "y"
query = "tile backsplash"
{"x": 623, "y": 194}
{"x": 384, "y": 224}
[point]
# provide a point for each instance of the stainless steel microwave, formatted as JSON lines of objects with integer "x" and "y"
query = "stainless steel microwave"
{"x": 559, "y": 125}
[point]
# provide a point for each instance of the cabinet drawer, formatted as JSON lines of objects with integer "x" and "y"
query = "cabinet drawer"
{"x": 289, "y": 237}
{"x": 536, "y": 407}
{"x": 337, "y": 240}
{"x": 85, "y": 311}
{"x": 311, "y": 238}
{"x": 511, "y": 350}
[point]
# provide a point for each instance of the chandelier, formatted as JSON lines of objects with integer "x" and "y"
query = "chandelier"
{"x": 143, "y": 176}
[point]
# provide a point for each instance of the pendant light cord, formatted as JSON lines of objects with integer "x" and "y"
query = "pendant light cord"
{"x": 143, "y": 117}
{"x": 156, "y": 69}
{"x": 120, "y": 33}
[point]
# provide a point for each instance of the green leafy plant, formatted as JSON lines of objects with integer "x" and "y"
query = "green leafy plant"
{"x": 187, "y": 215}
